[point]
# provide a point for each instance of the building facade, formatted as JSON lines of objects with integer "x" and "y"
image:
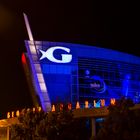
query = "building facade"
{"x": 67, "y": 73}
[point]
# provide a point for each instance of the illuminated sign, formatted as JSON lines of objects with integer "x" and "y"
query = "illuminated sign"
{"x": 97, "y": 84}
{"x": 49, "y": 54}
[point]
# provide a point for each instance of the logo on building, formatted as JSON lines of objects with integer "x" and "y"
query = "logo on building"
{"x": 97, "y": 84}
{"x": 49, "y": 54}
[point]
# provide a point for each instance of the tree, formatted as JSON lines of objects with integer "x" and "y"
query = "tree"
{"x": 58, "y": 125}
{"x": 29, "y": 125}
{"x": 122, "y": 123}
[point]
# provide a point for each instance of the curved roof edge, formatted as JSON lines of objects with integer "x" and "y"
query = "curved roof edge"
{"x": 96, "y": 52}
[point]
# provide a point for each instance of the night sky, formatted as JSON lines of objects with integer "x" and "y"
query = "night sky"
{"x": 106, "y": 24}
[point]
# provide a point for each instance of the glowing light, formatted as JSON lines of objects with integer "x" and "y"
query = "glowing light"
{"x": 39, "y": 108}
{"x": 112, "y": 101}
{"x": 53, "y": 108}
{"x": 66, "y": 58}
{"x": 33, "y": 109}
{"x": 17, "y": 113}
{"x": 28, "y": 109}
{"x": 77, "y": 105}
{"x": 42, "y": 86}
{"x": 32, "y": 49}
{"x": 8, "y": 115}
{"x": 86, "y": 104}
{"x": 40, "y": 77}
{"x": 69, "y": 106}
{"x": 12, "y": 114}
{"x": 96, "y": 104}
{"x": 23, "y": 58}
{"x": 61, "y": 107}
{"x": 125, "y": 84}
{"x": 98, "y": 87}
{"x": 28, "y": 27}
{"x": 102, "y": 102}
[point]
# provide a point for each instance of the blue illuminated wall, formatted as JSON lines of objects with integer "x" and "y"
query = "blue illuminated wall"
{"x": 93, "y": 73}
{"x": 58, "y": 81}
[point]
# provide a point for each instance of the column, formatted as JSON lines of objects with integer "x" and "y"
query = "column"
{"x": 93, "y": 127}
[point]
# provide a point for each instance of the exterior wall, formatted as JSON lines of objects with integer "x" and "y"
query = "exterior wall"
{"x": 92, "y": 74}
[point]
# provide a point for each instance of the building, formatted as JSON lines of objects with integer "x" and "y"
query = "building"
{"x": 67, "y": 73}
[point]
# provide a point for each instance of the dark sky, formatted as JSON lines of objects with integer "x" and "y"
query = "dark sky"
{"x": 105, "y": 24}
